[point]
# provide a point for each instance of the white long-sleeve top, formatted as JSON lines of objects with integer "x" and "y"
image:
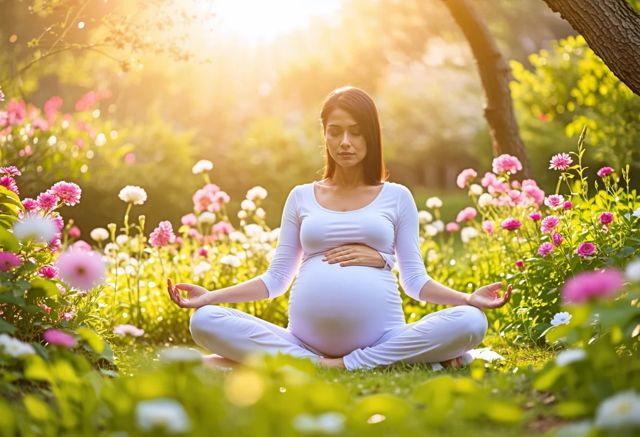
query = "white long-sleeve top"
{"x": 337, "y": 309}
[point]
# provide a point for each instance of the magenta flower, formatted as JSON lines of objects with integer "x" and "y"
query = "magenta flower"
{"x": 452, "y": 227}
{"x": 47, "y": 201}
{"x": 11, "y": 170}
{"x": 162, "y": 235}
{"x": 83, "y": 270}
{"x": 604, "y": 171}
{"x": 58, "y": 221}
{"x": 74, "y": 232}
{"x": 465, "y": 176}
{"x": 9, "y": 261}
{"x": 592, "y": 285}
{"x": 554, "y": 201}
{"x": 567, "y": 205}
{"x": 49, "y": 272}
{"x": 561, "y": 161}
{"x": 467, "y": 214}
{"x": 557, "y": 239}
{"x": 535, "y": 216}
{"x": 68, "y": 192}
{"x": 506, "y": 163}
{"x": 586, "y": 249}
{"x": 59, "y": 338}
{"x": 203, "y": 251}
{"x": 488, "y": 227}
{"x": 545, "y": 249}
{"x": 511, "y": 224}
{"x": 9, "y": 183}
{"x": 606, "y": 218}
{"x": 126, "y": 329}
{"x": 29, "y": 204}
{"x": 549, "y": 223}
{"x": 520, "y": 264}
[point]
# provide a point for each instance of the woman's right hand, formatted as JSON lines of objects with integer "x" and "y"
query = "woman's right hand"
{"x": 196, "y": 295}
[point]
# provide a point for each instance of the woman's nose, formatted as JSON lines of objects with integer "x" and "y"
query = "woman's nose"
{"x": 345, "y": 139}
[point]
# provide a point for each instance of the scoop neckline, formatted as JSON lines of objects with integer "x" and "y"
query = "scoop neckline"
{"x": 375, "y": 199}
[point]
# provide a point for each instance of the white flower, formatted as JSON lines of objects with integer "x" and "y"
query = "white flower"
{"x": 99, "y": 234}
{"x": 484, "y": 200}
{"x": 237, "y": 236}
{"x": 433, "y": 202}
{"x": 231, "y": 260}
{"x": 569, "y": 356}
{"x": 256, "y": 193}
{"x": 431, "y": 255}
{"x": 431, "y": 230}
{"x": 632, "y": 271}
{"x": 242, "y": 214}
{"x": 207, "y": 218}
{"x": 260, "y": 213}
{"x": 475, "y": 189}
{"x": 247, "y": 205}
{"x": 253, "y": 230}
{"x": 133, "y": 194}
{"x": 326, "y": 423}
{"x": 162, "y": 414}
{"x": 201, "y": 267}
{"x": 619, "y": 410}
{"x": 110, "y": 248}
{"x": 202, "y": 166}
{"x": 467, "y": 233}
{"x": 14, "y": 347}
{"x": 35, "y": 227}
{"x": 180, "y": 355}
{"x": 122, "y": 239}
{"x": 561, "y": 318}
{"x": 636, "y": 213}
{"x": 424, "y": 216}
{"x": 439, "y": 225}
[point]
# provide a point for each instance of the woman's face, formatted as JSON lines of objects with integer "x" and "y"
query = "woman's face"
{"x": 344, "y": 139}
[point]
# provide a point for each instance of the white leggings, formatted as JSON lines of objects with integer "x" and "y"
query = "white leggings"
{"x": 437, "y": 337}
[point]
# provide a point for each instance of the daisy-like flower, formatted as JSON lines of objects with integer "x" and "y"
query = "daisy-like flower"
{"x": 126, "y": 329}
{"x": 467, "y": 214}
{"x": 557, "y": 239}
{"x": 484, "y": 200}
{"x": 256, "y": 193}
{"x": 162, "y": 235}
{"x": 554, "y": 201}
{"x": 561, "y": 162}
{"x": 467, "y": 233}
{"x": 11, "y": 170}
{"x": 488, "y": 226}
{"x": 133, "y": 194}
{"x": 99, "y": 234}
{"x": 604, "y": 171}
{"x": 561, "y": 318}
{"x": 452, "y": 227}
{"x": 81, "y": 269}
{"x": 202, "y": 166}
{"x": 35, "y": 227}
{"x": 47, "y": 201}
{"x": 9, "y": 183}
{"x": 49, "y": 272}
{"x": 620, "y": 410}
{"x": 248, "y": 205}
{"x": 535, "y": 216}
{"x": 520, "y": 264}
{"x": 68, "y": 192}
{"x": 162, "y": 415}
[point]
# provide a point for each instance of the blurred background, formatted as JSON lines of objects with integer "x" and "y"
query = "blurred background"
{"x": 240, "y": 83}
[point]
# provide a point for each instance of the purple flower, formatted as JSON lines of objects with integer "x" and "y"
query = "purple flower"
{"x": 545, "y": 249}
{"x": 59, "y": 338}
{"x": 590, "y": 285}
{"x": 9, "y": 261}
{"x": 511, "y": 224}
{"x": 586, "y": 249}
{"x": 606, "y": 218}
{"x": 561, "y": 161}
{"x": 535, "y": 216}
{"x": 604, "y": 171}
{"x": 29, "y": 204}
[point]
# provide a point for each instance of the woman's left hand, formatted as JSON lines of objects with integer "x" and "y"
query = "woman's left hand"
{"x": 488, "y": 297}
{"x": 354, "y": 255}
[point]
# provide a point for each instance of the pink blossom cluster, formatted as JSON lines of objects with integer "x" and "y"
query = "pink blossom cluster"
{"x": 467, "y": 214}
{"x": 162, "y": 235}
{"x": 465, "y": 177}
{"x": 506, "y": 164}
{"x": 209, "y": 198}
{"x": 521, "y": 194}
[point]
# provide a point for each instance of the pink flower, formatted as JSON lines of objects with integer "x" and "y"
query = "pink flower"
{"x": 545, "y": 249}
{"x": 68, "y": 315}
{"x": 59, "y": 338}
{"x": 48, "y": 272}
{"x": 81, "y": 245}
{"x": 11, "y": 170}
{"x": 8, "y": 261}
{"x": 203, "y": 251}
{"x": 606, "y": 218}
{"x": 530, "y": 187}
{"x": 45, "y": 308}
{"x": 592, "y": 285}
{"x": 466, "y": 176}
{"x": 83, "y": 270}
{"x": 68, "y": 192}
{"x": 29, "y": 204}
{"x": 549, "y": 223}
{"x": 90, "y": 99}
{"x": 520, "y": 264}
{"x": 557, "y": 239}
{"x": 204, "y": 198}
{"x": 129, "y": 158}
{"x": 604, "y": 171}
{"x": 488, "y": 227}
{"x": 162, "y": 235}
{"x": 586, "y": 249}
{"x": 489, "y": 179}
{"x": 452, "y": 227}
{"x": 511, "y": 224}
{"x": 506, "y": 163}
{"x": 51, "y": 107}
{"x": 535, "y": 216}
{"x": 126, "y": 329}
{"x": 55, "y": 245}
{"x": 467, "y": 214}
{"x": 561, "y": 161}
{"x": 16, "y": 112}
{"x": 554, "y": 201}
{"x": 189, "y": 220}
{"x": 1, "y": 96}
{"x": 222, "y": 228}
{"x": 47, "y": 201}
{"x": 74, "y": 232}
{"x": 567, "y": 205}
{"x": 9, "y": 183}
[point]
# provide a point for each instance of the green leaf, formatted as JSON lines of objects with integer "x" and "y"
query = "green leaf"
{"x": 8, "y": 241}
{"x": 503, "y": 412}
{"x": 7, "y": 327}
{"x": 93, "y": 340}
{"x": 37, "y": 408}
{"x": 43, "y": 287}
{"x": 571, "y": 409}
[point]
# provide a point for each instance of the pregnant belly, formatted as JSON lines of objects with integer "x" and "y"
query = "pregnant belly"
{"x": 338, "y": 309}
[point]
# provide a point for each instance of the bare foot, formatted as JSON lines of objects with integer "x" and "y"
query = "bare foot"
{"x": 218, "y": 362}
{"x": 454, "y": 363}
{"x": 331, "y": 362}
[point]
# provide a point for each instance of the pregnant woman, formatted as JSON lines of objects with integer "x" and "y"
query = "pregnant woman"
{"x": 339, "y": 235}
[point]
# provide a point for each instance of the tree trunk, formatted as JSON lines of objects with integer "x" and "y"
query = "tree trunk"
{"x": 612, "y": 30}
{"x": 495, "y": 76}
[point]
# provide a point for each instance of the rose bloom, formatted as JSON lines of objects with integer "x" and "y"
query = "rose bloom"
{"x": 452, "y": 227}
{"x": 545, "y": 249}
{"x": 511, "y": 224}
{"x": 554, "y": 201}
{"x": 561, "y": 161}
{"x": 467, "y": 214}
{"x": 465, "y": 176}
{"x": 586, "y": 249}
{"x": 549, "y": 223}
{"x": 606, "y": 218}
{"x": 520, "y": 264}
{"x": 589, "y": 285}
{"x": 567, "y": 205}
{"x": 506, "y": 163}
{"x": 604, "y": 171}
{"x": 535, "y": 216}
{"x": 59, "y": 338}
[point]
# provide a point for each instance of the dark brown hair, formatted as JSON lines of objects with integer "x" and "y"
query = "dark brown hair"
{"x": 363, "y": 110}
